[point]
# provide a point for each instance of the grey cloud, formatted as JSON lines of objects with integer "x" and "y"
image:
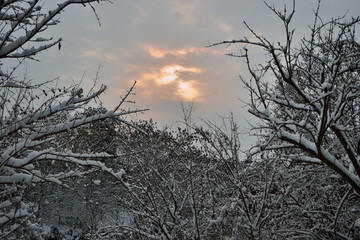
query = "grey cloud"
{"x": 169, "y": 25}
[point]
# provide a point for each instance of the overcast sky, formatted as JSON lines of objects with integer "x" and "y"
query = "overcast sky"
{"x": 161, "y": 45}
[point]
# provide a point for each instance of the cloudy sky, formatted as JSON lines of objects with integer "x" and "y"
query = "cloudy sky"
{"x": 161, "y": 45}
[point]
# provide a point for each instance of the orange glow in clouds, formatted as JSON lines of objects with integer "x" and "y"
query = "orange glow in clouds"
{"x": 183, "y": 85}
{"x": 172, "y": 82}
{"x": 171, "y": 73}
{"x": 185, "y": 88}
{"x": 160, "y": 53}
{"x": 187, "y": 91}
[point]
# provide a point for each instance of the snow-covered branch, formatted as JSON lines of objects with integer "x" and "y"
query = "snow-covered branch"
{"x": 29, "y": 19}
{"x": 306, "y": 98}
{"x": 313, "y": 102}
{"x": 35, "y": 118}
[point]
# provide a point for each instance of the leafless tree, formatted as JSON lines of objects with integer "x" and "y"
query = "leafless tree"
{"x": 307, "y": 95}
{"x": 32, "y": 115}
{"x": 311, "y": 102}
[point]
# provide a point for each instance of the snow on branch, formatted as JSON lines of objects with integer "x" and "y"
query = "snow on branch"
{"x": 308, "y": 95}
{"x": 30, "y": 18}
{"x": 35, "y": 118}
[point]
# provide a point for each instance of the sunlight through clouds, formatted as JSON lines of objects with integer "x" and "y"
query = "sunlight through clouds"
{"x": 167, "y": 79}
{"x": 187, "y": 90}
{"x": 172, "y": 73}
{"x": 173, "y": 82}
